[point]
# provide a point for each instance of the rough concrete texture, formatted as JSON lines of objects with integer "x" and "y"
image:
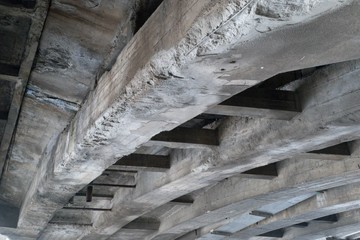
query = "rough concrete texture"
{"x": 70, "y": 55}
{"x": 189, "y": 56}
{"x": 224, "y": 200}
{"x": 347, "y": 225}
{"x": 200, "y": 168}
{"x": 332, "y": 201}
{"x": 29, "y": 144}
{"x": 22, "y": 30}
{"x": 122, "y": 127}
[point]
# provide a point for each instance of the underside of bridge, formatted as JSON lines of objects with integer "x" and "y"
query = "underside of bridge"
{"x": 179, "y": 119}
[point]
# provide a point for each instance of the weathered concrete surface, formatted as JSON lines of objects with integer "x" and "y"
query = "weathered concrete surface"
{"x": 64, "y": 232}
{"x": 101, "y": 131}
{"x": 270, "y": 141}
{"x": 332, "y": 201}
{"x": 235, "y": 196}
{"x": 347, "y": 224}
{"x": 30, "y": 142}
{"x": 20, "y": 30}
{"x": 80, "y": 39}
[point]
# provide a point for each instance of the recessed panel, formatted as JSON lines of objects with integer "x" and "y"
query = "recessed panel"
{"x": 13, "y": 32}
{"x": 19, "y": 3}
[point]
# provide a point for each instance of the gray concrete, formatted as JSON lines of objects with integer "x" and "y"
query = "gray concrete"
{"x": 209, "y": 167}
{"x": 9, "y": 215}
{"x": 225, "y": 199}
{"x": 329, "y": 202}
{"x": 105, "y": 92}
{"x": 87, "y": 136}
{"x": 347, "y": 225}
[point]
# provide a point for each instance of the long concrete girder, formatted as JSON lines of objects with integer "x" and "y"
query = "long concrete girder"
{"x": 235, "y": 196}
{"x": 270, "y": 140}
{"x": 107, "y": 128}
{"x": 348, "y": 223}
{"x": 332, "y": 201}
{"x": 178, "y": 193}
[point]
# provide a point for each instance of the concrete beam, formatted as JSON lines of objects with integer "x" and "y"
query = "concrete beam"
{"x": 265, "y": 172}
{"x": 112, "y": 122}
{"x": 274, "y": 234}
{"x": 265, "y": 103}
{"x": 330, "y": 202}
{"x": 143, "y": 223}
{"x": 144, "y": 162}
{"x": 348, "y": 223}
{"x": 240, "y": 196}
{"x": 310, "y": 130}
{"x": 137, "y": 82}
{"x": 329, "y": 219}
{"x": 336, "y": 152}
{"x": 186, "y": 137}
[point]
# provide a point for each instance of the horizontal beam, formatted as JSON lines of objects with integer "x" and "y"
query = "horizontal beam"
{"x": 329, "y": 219}
{"x": 144, "y": 162}
{"x": 301, "y": 225}
{"x": 70, "y": 223}
{"x": 265, "y": 172}
{"x": 94, "y": 195}
{"x": 122, "y": 126}
{"x": 112, "y": 185}
{"x": 336, "y": 152}
{"x": 143, "y": 223}
{"x": 221, "y": 233}
{"x": 274, "y": 234}
{"x": 322, "y": 207}
{"x": 187, "y": 136}
{"x": 274, "y": 104}
{"x": 249, "y": 143}
{"x": 182, "y": 201}
{"x": 348, "y": 223}
{"x": 88, "y": 209}
{"x": 254, "y": 194}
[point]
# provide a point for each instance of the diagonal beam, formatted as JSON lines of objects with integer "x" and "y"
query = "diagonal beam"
{"x": 277, "y": 141}
{"x": 295, "y": 178}
{"x": 112, "y": 122}
{"x": 135, "y": 84}
{"x": 330, "y": 202}
{"x": 347, "y": 224}
{"x": 265, "y": 103}
{"x": 144, "y": 162}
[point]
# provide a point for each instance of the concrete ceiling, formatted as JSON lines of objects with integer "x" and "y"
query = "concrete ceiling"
{"x": 191, "y": 119}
